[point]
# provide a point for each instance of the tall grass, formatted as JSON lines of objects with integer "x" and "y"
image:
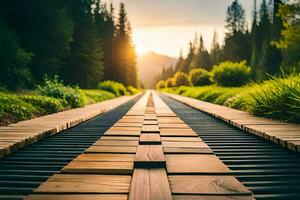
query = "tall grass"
{"x": 277, "y": 98}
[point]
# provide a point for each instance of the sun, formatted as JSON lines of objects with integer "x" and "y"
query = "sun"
{"x": 140, "y": 50}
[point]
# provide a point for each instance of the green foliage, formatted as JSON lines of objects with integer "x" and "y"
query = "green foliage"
{"x": 181, "y": 79}
{"x": 14, "y": 108}
{"x": 199, "y": 77}
{"x": 96, "y": 95}
{"x": 132, "y": 90}
{"x": 73, "y": 96}
{"x": 114, "y": 87}
{"x": 161, "y": 84}
{"x": 231, "y": 74}
{"x": 170, "y": 82}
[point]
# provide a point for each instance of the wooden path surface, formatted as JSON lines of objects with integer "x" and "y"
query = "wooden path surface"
{"x": 149, "y": 154}
{"x": 284, "y": 134}
{"x": 19, "y": 135}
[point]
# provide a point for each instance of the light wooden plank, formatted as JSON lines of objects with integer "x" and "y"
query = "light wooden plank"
{"x": 181, "y": 139}
{"x": 177, "y": 133}
{"x": 122, "y": 133}
{"x": 122, "y": 124}
{"x": 185, "y": 144}
{"x": 120, "y": 138}
{"x": 112, "y": 149}
{"x": 173, "y": 125}
{"x": 115, "y": 143}
{"x": 80, "y": 184}
{"x": 207, "y": 185}
{"x": 150, "y": 184}
{"x": 195, "y": 164}
{"x": 76, "y": 197}
{"x": 97, "y": 157}
{"x": 150, "y": 129}
{"x": 124, "y": 128}
{"x": 76, "y": 167}
{"x": 183, "y": 150}
{"x": 149, "y": 156}
{"x": 150, "y": 122}
{"x": 150, "y": 139}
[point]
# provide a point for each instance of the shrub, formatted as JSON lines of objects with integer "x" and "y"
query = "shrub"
{"x": 231, "y": 74}
{"x": 44, "y": 105}
{"x": 132, "y": 90}
{"x": 170, "y": 82}
{"x": 199, "y": 77}
{"x": 161, "y": 84}
{"x": 73, "y": 96}
{"x": 181, "y": 79}
{"x": 96, "y": 95}
{"x": 114, "y": 87}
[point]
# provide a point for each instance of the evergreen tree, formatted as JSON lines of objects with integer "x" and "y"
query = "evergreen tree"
{"x": 235, "y": 19}
{"x": 215, "y": 53}
{"x": 179, "y": 64}
{"x": 188, "y": 60}
{"x": 202, "y": 58}
{"x": 85, "y": 66}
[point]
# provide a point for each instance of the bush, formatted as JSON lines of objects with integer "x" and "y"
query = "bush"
{"x": 161, "y": 84}
{"x": 181, "y": 79}
{"x": 114, "y": 87}
{"x": 73, "y": 96}
{"x": 44, "y": 105}
{"x": 231, "y": 74}
{"x": 199, "y": 77}
{"x": 96, "y": 95}
{"x": 170, "y": 82}
{"x": 132, "y": 90}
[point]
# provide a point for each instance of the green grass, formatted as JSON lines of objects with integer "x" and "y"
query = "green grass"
{"x": 96, "y": 95}
{"x": 277, "y": 98}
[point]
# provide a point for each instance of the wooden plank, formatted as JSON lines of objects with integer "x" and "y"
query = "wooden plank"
{"x": 181, "y": 139}
{"x": 120, "y": 138}
{"x": 124, "y": 128}
{"x": 150, "y": 184}
{"x": 150, "y": 122}
{"x": 183, "y": 150}
{"x": 149, "y": 156}
{"x": 150, "y": 129}
{"x": 112, "y": 149}
{"x": 122, "y": 133}
{"x": 178, "y": 133}
{"x": 150, "y": 139}
{"x": 97, "y": 157}
{"x": 185, "y": 144}
{"x": 207, "y": 185}
{"x": 195, "y": 164}
{"x": 115, "y": 143}
{"x": 122, "y": 124}
{"x": 211, "y": 197}
{"x": 76, "y": 197}
{"x": 131, "y": 120}
{"x": 81, "y": 184}
{"x": 76, "y": 167}
{"x": 173, "y": 125}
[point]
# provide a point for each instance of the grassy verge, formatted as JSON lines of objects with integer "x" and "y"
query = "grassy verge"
{"x": 277, "y": 98}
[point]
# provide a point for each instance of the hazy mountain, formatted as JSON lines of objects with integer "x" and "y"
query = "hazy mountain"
{"x": 151, "y": 64}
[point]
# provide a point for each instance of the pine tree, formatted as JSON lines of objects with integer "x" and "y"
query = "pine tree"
{"x": 235, "y": 19}
{"x": 215, "y": 54}
{"x": 188, "y": 60}
{"x": 202, "y": 58}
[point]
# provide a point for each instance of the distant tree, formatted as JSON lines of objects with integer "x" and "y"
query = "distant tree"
{"x": 215, "y": 53}
{"x": 180, "y": 62}
{"x": 202, "y": 58}
{"x": 188, "y": 60}
{"x": 235, "y": 19}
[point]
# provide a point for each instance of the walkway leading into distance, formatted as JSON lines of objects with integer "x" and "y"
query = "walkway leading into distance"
{"x": 147, "y": 150}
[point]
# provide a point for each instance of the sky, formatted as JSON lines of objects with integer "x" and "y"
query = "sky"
{"x": 166, "y": 26}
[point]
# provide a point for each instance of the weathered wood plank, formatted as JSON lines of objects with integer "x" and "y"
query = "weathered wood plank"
{"x": 195, "y": 164}
{"x": 97, "y": 157}
{"x": 77, "y": 167}
{"x": 150, "y": 184}
{"x": 184, "y": 150}
{"x": 112, "y": 149}
{"x": 82, "y": 184}
{"x": 149, "y": 156}
{"x": 207, "y": 185}
{"x": 150, "y": 139}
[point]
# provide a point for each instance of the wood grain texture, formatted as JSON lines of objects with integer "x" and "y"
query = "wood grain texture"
{"x": 98, "y": 157}
{"x": 79, "y": 184}
{"x": 115, "y": 143}
{"x": 150, "y": 122}
{"x": 120, "y": 138}
{"x": 112, "y": 149}
{"x": 178, "y": 132}
{"x": 99, "y": 168}
{"x": 122, "y": 133}
{"x": 150, "y": 184}
{"x": 195, "y": 164}
{"x": 207, "y": 185}
{"x": 185, "y": 144}
{"x": 173, "y": 125}
{"x": 150, "y": 139}
{"x": 150, "y": 129}
{"x": 149, "y": 156}
{"x": 76, "y": 197}
{"x": 181, "y": 139}
{"x": 184, "y": 150}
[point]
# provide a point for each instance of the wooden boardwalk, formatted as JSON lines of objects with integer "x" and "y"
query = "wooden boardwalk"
{"x": 19, "y": 135}
{"x": 284, "y": 134}
{"x": 150, "y": 153}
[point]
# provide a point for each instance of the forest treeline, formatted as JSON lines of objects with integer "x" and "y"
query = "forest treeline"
{"x": 79, "y": 40}
{"x": 272, "y": 43}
